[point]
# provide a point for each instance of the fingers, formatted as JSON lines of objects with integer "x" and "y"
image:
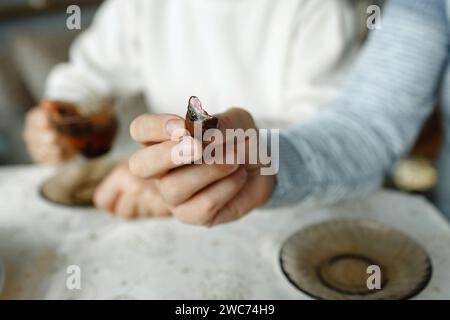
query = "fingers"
{"x": 137, "y": 204}
{"x": 166, "y": 151}
{"x": 202, "y": 208}
{"x": 258, "y": 192}
{"x": 201, "y": 194}
{"x": 43, "y": 141}
{"x": 181, "y": 184}
{"x": 162, "y": 157}
{"x": 151, "y": 204}
{"x": 108, "y": 192}
{"x": 127, "y": 205}
{"x": 129, "y": 197}
{"x": 151, "y": 128}
{"x": 233, "y": 210}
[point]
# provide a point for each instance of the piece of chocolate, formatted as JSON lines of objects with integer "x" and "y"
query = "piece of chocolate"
{"x": 197, "y": 116}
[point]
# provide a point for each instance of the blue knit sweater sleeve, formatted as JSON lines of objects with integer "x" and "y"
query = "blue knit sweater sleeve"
{"x": 348, "y": 148}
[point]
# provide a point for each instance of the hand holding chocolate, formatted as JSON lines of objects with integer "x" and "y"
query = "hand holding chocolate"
{"x": 221, "y": 188}
{"x": 196, "y": 116}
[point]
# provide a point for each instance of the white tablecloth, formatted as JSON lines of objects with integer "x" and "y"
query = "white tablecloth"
{"x": 164, "y": 259}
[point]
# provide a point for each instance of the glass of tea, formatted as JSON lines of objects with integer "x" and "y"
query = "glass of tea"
{"x": 89, "y": 134}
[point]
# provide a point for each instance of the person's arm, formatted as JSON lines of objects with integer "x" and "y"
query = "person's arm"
{"x": 348, "y": 148}
{"x": 103, "y": 59}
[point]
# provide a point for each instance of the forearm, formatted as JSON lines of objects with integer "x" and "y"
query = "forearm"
{"x": 349, "y": 147}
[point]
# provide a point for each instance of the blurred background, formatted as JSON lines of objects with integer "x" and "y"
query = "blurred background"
{"x": 31, "y": 42}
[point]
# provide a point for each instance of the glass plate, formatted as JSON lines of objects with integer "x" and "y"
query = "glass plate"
{"x": 331, "y": 260}
{"x": 74, "y": 185}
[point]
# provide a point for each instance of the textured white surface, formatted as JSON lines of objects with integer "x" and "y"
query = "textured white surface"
{"x": 161, "y": 258}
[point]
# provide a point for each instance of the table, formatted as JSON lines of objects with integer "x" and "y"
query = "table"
{"x": 164, "y": 259}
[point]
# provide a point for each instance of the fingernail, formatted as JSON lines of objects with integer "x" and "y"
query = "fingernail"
{"x": 174, "y": 126}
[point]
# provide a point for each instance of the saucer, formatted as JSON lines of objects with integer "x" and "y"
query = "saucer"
{"x": 339, "y": 260}
{"x": 75, "y": 183}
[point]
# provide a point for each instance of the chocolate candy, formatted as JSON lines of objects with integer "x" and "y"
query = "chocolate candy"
{"x": 196, "y": 116}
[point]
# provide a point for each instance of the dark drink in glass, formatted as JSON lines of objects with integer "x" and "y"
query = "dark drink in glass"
{"x": 91, "y": 134}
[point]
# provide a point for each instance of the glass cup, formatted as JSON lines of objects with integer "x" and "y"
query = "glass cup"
{"x": 89, "y": 136}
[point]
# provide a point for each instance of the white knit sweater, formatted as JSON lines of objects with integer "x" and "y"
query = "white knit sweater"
{"x": 281, "y": 60}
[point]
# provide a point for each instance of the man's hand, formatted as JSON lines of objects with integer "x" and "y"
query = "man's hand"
{"x": 128, "y": 196}
{"x": 43, "y": 142}
{"x": 199, "y": 194}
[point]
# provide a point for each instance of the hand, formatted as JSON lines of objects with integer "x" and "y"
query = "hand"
{"x": 199, "y": 194}
{"x": 128, "y": 196}
{"x": 43, "y": 141}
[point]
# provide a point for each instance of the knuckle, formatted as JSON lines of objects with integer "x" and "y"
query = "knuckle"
{"x": 233, "y": 209}
{"x": 170, "y": 191}
{"x": 187, "y": 216}
{"x": 208, "y": 207}
{"x": 181, "y": 215}
{"x": 183, "y": 218}
{"x": 154, "y": 205}
{"x": 162, "y": 213}
{"x": 100, "y": 198}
